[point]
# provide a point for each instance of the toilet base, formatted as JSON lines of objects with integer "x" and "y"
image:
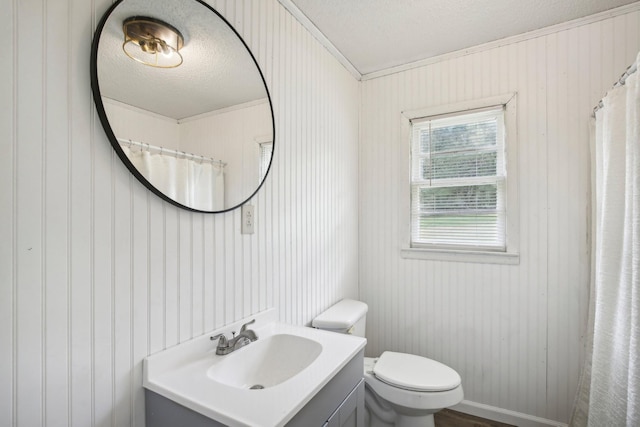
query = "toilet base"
{"x": 400, "y": 421}
{"x": 380, "y": 413}
{"x": 422, "y": 421}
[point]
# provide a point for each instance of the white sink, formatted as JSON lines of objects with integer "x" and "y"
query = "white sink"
{"x": 288, "y": 363}
{"x": 266, "y": 362}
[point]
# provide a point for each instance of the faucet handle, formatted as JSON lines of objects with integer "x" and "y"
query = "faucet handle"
{"x": 223, "y": 340}
{"x": 244, "y": 327}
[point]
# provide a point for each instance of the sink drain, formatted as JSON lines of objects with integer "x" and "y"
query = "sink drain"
{"x": 256, "y": 387}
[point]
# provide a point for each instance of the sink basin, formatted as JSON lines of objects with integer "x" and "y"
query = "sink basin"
{"x": 264, "y": 383}
{"x": 266, "y": 362}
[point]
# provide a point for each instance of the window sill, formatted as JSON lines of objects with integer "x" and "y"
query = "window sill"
{"x": 509, "y": 258}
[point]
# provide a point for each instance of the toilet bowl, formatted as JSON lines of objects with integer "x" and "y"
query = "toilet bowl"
{"x": 400, "y": 389}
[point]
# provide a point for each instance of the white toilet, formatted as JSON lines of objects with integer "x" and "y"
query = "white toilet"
{"x": 400, "y": 389}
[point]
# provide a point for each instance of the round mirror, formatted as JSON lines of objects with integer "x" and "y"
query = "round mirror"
{"x": 183, "y": 102}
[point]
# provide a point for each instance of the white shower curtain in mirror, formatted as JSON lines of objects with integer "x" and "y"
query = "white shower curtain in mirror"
{"x": 189, "y": 182}
{"x": 609, "y": 394}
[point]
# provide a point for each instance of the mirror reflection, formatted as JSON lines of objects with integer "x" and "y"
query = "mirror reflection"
{"x": 200, "y": 133}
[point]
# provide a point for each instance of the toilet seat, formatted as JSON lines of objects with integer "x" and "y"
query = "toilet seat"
{"x": 410, "y": 400}
{"x": 415, "y": 373}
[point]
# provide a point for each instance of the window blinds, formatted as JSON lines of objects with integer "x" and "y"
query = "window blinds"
{"x": 458, "y": 181}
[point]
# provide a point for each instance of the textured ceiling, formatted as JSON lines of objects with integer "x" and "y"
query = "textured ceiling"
{"x": 372, "y": 34}
{"x": 378, "y": 34}
{"x": 217, "y": 71}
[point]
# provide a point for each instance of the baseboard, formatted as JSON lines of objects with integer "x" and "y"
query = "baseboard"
{"x": 504, "y": 415}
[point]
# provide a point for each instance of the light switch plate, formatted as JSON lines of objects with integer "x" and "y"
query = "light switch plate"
{"x": 248, "y": 219}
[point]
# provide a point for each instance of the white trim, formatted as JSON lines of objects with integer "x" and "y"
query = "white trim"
{"x": 507, "y": 40}
{"x": 474, "y": 104}
{"x": 504, "y": 415}
{"x": 483, "y": 257}
{"x": 263, "y": 139}
{"x": 324, "y": 41}
{"x": 248, "y": 104}
{"x": 120, "y": 104}
{"x": 315, "y": 31}
{"x": 242, "y": 106}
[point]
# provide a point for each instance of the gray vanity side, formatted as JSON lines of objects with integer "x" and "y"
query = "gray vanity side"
{"x": 163, "y": 412}
{"x": 318, "y": 411}
{"x": 345, "y": 387}
{"x": 351, "y": 413}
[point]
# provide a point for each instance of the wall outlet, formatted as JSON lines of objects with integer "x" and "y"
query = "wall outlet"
{"x": 248, "y": 219}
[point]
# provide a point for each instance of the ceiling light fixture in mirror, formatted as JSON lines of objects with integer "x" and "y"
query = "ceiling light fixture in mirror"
{"x": 152, "y": 42}
{"x": 192, "y": 134}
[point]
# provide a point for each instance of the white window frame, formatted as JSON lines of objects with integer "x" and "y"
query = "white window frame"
{"x": 262, "y": 142}
{"x": 511, "y": 254}
{"x": 264, "y": 164}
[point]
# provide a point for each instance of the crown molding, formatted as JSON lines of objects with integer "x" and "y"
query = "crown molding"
{"x": 311, "y": 27}
{"x": 622, "y": 10}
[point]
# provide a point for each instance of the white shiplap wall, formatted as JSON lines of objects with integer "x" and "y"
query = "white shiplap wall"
{"x": 96, "y": 272}
{"x": 514, "y": 333}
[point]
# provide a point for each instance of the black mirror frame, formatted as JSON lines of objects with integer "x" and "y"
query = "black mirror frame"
{"x": 97, "y": 98}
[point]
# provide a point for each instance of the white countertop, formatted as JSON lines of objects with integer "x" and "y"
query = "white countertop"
{"x": 180, "y": 374}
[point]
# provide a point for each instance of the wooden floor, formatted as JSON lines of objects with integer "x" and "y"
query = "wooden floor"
{"x": 449, "y": 418}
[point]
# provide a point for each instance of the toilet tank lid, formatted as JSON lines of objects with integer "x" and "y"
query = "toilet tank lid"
{"x": 341, "y": 315}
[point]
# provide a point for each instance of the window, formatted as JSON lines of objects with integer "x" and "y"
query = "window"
{"x": 462, "y": 199}
{"x": 266, "y": 149}
{"x": 458, "y": 181}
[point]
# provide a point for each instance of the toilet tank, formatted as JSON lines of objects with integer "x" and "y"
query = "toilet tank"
{"x": 347, "y": 317}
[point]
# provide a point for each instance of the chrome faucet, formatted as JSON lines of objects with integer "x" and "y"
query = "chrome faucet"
{"x": 245, "y": 337}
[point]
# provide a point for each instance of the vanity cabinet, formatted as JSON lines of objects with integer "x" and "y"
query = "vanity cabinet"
{"x": 350, "y": 413}
{"x": 339, "y": 403}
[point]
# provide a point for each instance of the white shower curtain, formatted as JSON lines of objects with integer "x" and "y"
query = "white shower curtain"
{"x": 609, "y": 393}
{"x": 188, "y": 182}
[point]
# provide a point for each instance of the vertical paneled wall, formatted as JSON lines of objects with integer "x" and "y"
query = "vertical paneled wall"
{"x": 514, "y": 333}
{"x": 96, "y": 272}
